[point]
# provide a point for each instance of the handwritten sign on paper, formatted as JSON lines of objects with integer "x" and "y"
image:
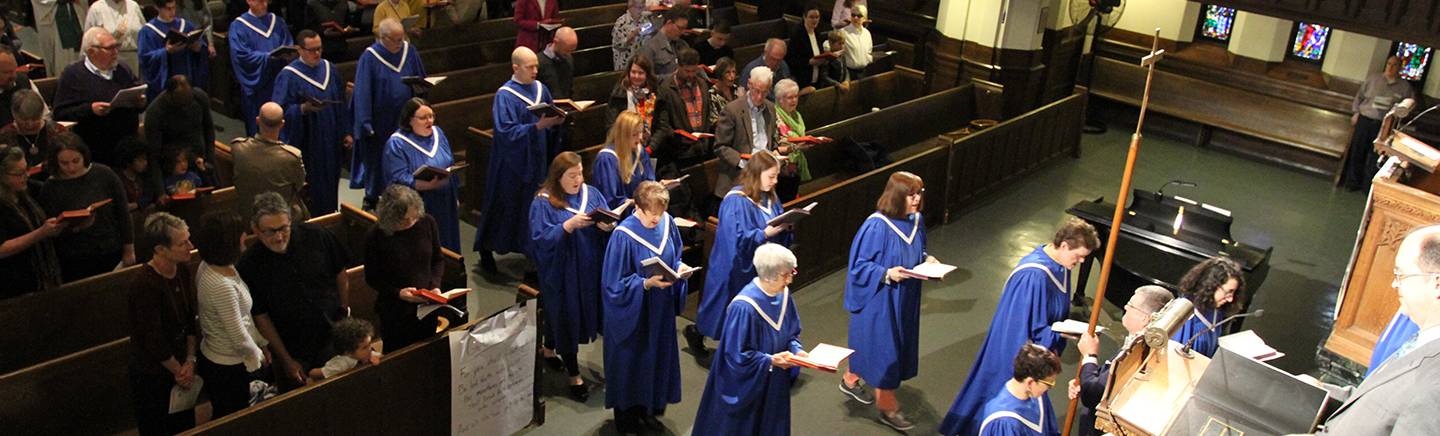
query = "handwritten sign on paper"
{"x": 492, "y": 373}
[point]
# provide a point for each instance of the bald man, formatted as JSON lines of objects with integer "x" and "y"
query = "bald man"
{"x": 10, "y": 82}
{"x": 379, "y": 94}
{"x": 557, "y": 68}
{"x": 517, "y": 161}
{"x": 264, "y": 163}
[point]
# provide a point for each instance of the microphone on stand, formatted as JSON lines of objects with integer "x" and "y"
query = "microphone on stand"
{"x": 1176, "y": 182}
{"x": 1186, "y": 350}
{"x": 1399, "y": 112}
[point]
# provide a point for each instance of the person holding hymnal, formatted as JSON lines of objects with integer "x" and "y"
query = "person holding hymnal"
{"x": 623, "y": 164}
{"x": 744, "y": 215}
{"x": 884, "y": 305}
{"x": 1036, "y": 295}
{"x": 1212, "y": 286}
{"x": 748, "y": 391}
{"x": 419, "y": 142}
{"x": 402, "y": 256}
{"x": 565, "y": 243}
{"x": 642, "y": 361}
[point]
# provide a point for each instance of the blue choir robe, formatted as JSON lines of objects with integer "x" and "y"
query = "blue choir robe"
{"x": 407, "y": 152}
{"x": 884, "y": 317}
{"x": 1200, "y": 321}
{"x": 642, "y": 358}
{"x": 605, "y": 174}
{"x": 1036, "y": 295}
{"x": 517, "y": 168}
{"x": 320, "y": 135}
{"x": 157, "y": 65}
{"x": 251, "y": 40}
{"x": 744, "y": 395}
{"x": 731, "y": 266}
{"x": 1006, "y": 415}
{"x": 1400, "y": 329}
{"x": 379, "y": 95}
{"x": 569, "y": 273}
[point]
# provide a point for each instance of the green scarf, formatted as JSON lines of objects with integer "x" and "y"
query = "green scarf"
{"x": 68, "y": 26}
{"x": 797, "y": 128}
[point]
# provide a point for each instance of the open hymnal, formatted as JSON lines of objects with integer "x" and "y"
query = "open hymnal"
{"x": 792, "y": 216}
{"x": 428, "y": 173}
{"x": 808, "y": 139}
{"x": 285, "y": 51}
{"x": 560, "y": 108}
{"x": 675, "y": 183}
{"x": 422, "y": 85}
{"x": 656, "y": 267}
{"x": 685, "y": 223}
{"x": 190, "y": 195}
{"x": 442, "y": 297}
{"x": 694, "y": 136}
{"x": 182, "y": 399}
{"x": 928, "y": 271}
{"x": 410, "y": 22}
{"x": 82, "y": 214}
{"x": 1073, "y": 327}
{"x": 824, "y": 357}
{"x": 572, "y": 105}
{"x": 336, "y": 26}
{"x": 826, "y": 56}
{"x": 175, "y": 38}
{"x": 130, "y": 98}
{"x": 1249, "y": 344}
{"x": 601, "y": 215}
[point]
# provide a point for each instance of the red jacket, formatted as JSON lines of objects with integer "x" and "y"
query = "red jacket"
{"x": 527, "y": 20}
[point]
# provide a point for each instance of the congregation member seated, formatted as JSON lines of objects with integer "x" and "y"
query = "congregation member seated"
{"x": 716, "y": 45}
{"x": 123, "y": 20}
{"x": 724, "y": 90}
{"x": 1213, "y": 286}
{"x": 402, "y": 255}
{"x": 1036, "y": 295}
{"x": 790, "y": 124}
{"x": 85, "y": 90}
{"x": 642, "y": 361}
{"x": 29, "y": 130}
{"x": 352, "y": 338}
{"x": 230, "y": 345}
{"x": 162, "y": 58}
{"x": 264, "y": 164}
{"x": 420, "y": 143}
{"x": 565, "y": 242}
{"x": 180, "y": 178}
{"x": 623, "y": 164}
{"x": 296, "y": 276}
{"x": 317, "y": 122}
{"x": 253, "y": 35}
{"x": 27, "y": 234}
{"x": 163, "y": 331}
{"x": 635, "y": 92}
{"x": 379, "y": 93}
{"x": 805, "y": 43}
{"x": 1089, "y": 387}
{"x": 12, "y": 82}
{"x": 106, "y": 239}
{"x": 748, "y": 391}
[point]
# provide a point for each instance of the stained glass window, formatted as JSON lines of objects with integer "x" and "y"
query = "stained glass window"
{"x": 1309, "y": 42}
{"x": 1413, "y": 60}
{"x": 1217, "y": 22}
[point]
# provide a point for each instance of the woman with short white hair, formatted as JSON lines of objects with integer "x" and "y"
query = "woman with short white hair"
{"x": 791, "y": 125}
{"x": 745, "y": 394}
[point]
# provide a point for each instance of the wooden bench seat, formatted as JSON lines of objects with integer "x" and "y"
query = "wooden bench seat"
{"x": 486, "y": 30}
{"x": 440, "y": 60}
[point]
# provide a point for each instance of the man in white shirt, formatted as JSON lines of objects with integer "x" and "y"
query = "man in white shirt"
{"x": 122, "y": 19}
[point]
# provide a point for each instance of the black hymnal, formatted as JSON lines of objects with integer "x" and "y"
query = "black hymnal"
{"x": 656, "y": 267}
{"x": 428, "y": 173}
{"x": 285, "y": 51}
{"x": 791, "y": 216}
{"x": 601, "y": 215}
{"x": 176, "y": 38}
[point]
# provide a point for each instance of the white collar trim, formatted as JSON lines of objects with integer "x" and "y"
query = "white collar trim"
{"x": 322, "y": 85}
{"x": 404, "y": 54}
{"x": 909, "y": 239}
{"x": 434, "y": 142}
{"x": 265, "y": 33}
{"x": 784, "y": 305}
{"x": 664, "y": 226}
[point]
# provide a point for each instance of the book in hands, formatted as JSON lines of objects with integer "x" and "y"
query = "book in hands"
{"x": 130, "y": 98}
{"x": 191, "y": 195}
{"x": 792, "y": 216}
{"x": 177, "y": 38}
{"x": 78, "y": 215}
{"x": 685, "y": 223}
{"x": 601, "y": 215}
{"x": 285, "y": 51}
{"x": 421, "y": 85}
{"x": 336, "y": 26}
{"x": 694, "y": 136}
{"x": 808, "y": 139}
{"x": 824, "y": 357}
{"x": 428, "y": 173}
{"x": 320, "y": 102}
{"x": 928, "y": 271}
{"x": 571, "y": 106}
{"x": 442, "y": 297}
{"x": 675, "y": 183}
{"x": 657, "y": 267}
{"x": 826, "y": 56}
{"x": 1074, "y": 327}
{"x": 1249, "y": 344}
{"x": 410, "y": 22}
{"x": 32, "y": 171}
{"x": 543, "y": 110}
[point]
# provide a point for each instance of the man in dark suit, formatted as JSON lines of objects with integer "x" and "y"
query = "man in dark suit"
{"x": 1399, "y": 397}
{"x": 747, "y": 126}
{"x": 682, "y": 104}
{"x": 1090, "y": 387}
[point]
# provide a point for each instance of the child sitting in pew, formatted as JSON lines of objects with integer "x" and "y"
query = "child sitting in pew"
{"x": 351, "y": 337}
{"x": 180, "y": 179}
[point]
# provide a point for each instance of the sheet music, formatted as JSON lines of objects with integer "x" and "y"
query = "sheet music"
{"x": 182, "y": 399}
{"x": 492, "y": 373}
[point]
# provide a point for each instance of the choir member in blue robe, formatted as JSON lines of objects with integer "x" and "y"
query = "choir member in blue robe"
{"x": 420, "y": 143}
{"x": 1036, "y": 295}
{"x": 321, "y": 131}
{"x": 517, "y": 160}
{"x": 748, "y": 391}
{"x": 884, "y": 306}
{"x": 1018, "y": 408}
{"x": 642, "y": 360}
{"x": 379, "y": 94}
{"x": 623, "y": 163}
{"x": 744, "y": 212}
{"x": 1400, "y": 329}
{"x": 159, "y": 59}
{"x": 1212, "y": 286}
{"x": 566, "y": 243}
{"x": 252, "y": 36}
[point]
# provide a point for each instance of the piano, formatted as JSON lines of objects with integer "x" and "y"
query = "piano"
{"x": 1161, "y": 238}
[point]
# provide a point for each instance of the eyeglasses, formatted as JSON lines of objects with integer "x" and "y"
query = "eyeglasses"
{"x": 312, "y": 50}
{"x": 1048, "y": 383}
{"x": 111, "y": 47}
{"x": 281, "y": 230}
{"x": 1399, "y": 276}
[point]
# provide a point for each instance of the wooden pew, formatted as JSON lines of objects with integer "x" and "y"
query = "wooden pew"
{"x": 472, "y": 54}
{"x": 499, "y": 28}
{"x": 45, "y": 398}
{"x": 983, "y": 162}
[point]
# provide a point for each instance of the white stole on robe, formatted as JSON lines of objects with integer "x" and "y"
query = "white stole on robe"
{"x": 323, "y": 85}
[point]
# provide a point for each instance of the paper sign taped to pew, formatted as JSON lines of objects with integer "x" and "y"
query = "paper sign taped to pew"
{"x": 492, "y": 374}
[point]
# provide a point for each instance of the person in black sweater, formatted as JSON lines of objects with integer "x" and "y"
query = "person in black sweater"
{"x": 557, "y": 68}
{"x": 717, "y": 45}
{"x": 163, "y": 328}
{"x": 1090, "y": 387}
{"x": 98, "y": 244}
{"x": 187, "y": 123}
{"x": 27, "y": 251}
{"x": 806, "y": 42}
{"x": 84, "y": 93}
{"x": 402, "y": 256}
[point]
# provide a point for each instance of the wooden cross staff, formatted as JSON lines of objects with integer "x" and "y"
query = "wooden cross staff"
{"x": 1149, "y": 63}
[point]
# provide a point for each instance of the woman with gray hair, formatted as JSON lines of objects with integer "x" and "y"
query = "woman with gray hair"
{"x": 744, "y": 394}
{"x": 791, "y": 125}
{"x": 402, "y": 257}
{"x": 27, "y": 251}
{"x": 29, "y": 128}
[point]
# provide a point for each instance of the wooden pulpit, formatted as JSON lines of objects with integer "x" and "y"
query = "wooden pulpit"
{"x": 1145, "y": 388}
